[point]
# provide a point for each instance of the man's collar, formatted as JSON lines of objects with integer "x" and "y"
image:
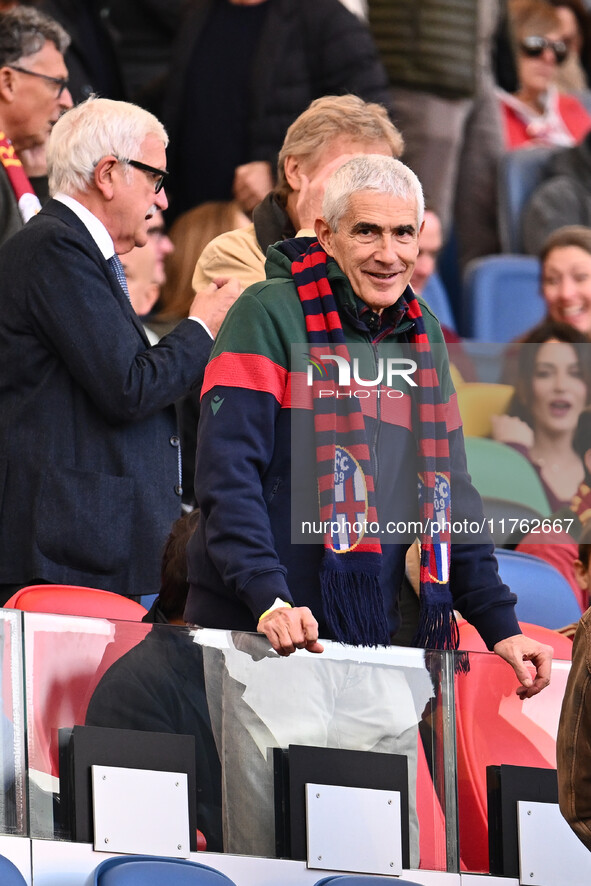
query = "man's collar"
{"x": 390, "y": 318}
{"x": 95, "y": 227}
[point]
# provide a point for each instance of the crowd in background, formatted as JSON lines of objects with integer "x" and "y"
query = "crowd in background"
{"x": 463, "y": 84}
{"x": 261, "y": 100}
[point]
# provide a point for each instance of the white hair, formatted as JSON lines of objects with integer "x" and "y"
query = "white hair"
{"x": 93, "y": 130}
{"x": 370, "y": 172}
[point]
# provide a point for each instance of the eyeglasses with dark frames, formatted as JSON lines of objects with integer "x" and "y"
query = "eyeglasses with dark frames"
{"x": 534, "y": 46}
{"x": 158, "y": 174}
{"x": 60, "y": 82}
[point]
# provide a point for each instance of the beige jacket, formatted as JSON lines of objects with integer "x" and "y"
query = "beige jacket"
{"x": 234, "y": 254}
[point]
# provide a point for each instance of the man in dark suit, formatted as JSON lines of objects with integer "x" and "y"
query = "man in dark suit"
{"x": 89, "y": 450}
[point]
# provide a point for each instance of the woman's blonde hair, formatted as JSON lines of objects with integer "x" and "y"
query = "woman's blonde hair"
{"x": 191, "y": 233}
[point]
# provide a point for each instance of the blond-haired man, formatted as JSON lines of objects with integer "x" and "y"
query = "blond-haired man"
{"x": 330, "y": 131}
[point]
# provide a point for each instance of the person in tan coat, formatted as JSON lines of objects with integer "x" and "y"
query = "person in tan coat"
{"x": 330, "y": 131}
{"x": 573, "y": 744}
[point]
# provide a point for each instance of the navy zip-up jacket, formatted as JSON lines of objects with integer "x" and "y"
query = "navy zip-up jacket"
{"x": 256, "y": 471}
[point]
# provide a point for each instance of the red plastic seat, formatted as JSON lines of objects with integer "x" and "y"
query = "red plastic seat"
{"x": 66, "y": 662}
{"x": 493, "y": 726}
{"x": 432, "y": 836}
{"x": 74, "y": 600}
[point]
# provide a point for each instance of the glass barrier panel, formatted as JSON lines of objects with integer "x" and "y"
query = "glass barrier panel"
{"x": 245, "y": 706}
{"x": 347, "y": 699}
{"x": 13, "y": 819}
{"x": 65, "y": 657}
{"x": 495, "y": 727}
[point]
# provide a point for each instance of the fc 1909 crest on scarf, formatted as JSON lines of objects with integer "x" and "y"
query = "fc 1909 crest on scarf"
{"x": 349, "y": 517}
{"x": 439, "y": 560}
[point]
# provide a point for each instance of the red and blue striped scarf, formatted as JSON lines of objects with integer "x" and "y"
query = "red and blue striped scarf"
{"x": 352, "y": 599}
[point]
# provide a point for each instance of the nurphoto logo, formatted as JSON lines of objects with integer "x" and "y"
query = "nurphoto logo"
{"x": 387, "y": 369}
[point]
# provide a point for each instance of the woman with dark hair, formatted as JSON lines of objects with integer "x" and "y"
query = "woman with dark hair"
{"x": 566, "y": 277}
{"x": 552, "y": 389}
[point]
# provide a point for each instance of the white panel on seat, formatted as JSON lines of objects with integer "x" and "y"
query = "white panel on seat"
{"x": 550, "y": 853}
{"x": 140, "y": 811}
{"x": 353, "y": 829}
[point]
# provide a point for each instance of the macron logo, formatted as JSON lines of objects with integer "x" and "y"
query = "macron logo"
{"x": 216, "y": 403}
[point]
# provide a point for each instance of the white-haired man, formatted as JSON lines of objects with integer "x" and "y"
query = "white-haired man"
{"x": 89, "y": 448}
{"x": 351, "y": 290}
{"x": 327, "y": 405}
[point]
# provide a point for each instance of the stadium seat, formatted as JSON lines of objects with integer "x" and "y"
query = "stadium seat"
{"x": 66, "y": 658}
{"x": 456, "y": 376}
{"x": 10, "y": 874}
{"x": 74, "y": 600}
{"x": 519, "y": 173}
{"x": 560, "y": 550}
{"x": 544, "y": 596}
{"x": 140, "y": 870}
{"x": 494, "y": 727}
{"x": 501, "y": 298}
{"x": 363, "y": 880}
{"x": 500, "y": 472}
{"x": 509, "y": 521}
{"x": 477, "y": 401}
{"x": 437, "y": 298}
{"x": 148, "y": 599}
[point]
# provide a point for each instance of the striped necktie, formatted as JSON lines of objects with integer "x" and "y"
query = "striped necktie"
{"x": 117, "y": 267}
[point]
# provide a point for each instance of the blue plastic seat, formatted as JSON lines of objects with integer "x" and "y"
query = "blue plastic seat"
{"x": 144, "y": 870}
{"x": 363, "y": 880}
{"x": 519, "y": 173}
{"x": 147, "y": 599}
{"x": 544, "y": 596}
{"x": 501, "y": 298}
{"x": 435, "y": 294}
{"x": 10, "y": 874}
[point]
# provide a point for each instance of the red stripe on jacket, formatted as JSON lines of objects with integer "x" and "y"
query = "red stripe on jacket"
{"x": 252, "y": 371}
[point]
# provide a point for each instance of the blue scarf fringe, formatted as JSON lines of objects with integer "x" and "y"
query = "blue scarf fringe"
{"x": 353, "y": 604}
{"x": 438, "y": 629}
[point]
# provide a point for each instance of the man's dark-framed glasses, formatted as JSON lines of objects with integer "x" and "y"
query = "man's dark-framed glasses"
{"x": 534, "y": 46}
{"x": 60, "y": 82}
{"x": 158, "y": 174}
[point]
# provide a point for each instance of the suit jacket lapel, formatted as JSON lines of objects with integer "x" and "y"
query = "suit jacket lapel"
{"x": 65, "y": 214}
